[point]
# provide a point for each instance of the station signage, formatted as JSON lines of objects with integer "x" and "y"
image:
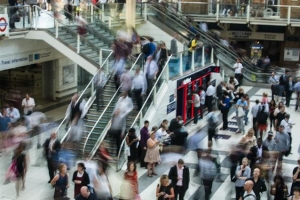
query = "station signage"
{"x": 4, "y": 24}
{"x": 253, "y": 35}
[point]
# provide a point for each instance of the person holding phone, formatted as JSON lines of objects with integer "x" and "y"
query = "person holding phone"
{"x": 242, "y": 173}
{"x": 164, "y": 190}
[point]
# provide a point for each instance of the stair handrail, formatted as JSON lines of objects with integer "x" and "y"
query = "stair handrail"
{"x": 80, "y": 97}
{"x": 140, "y": 112}
{"x": 103, "y": 112}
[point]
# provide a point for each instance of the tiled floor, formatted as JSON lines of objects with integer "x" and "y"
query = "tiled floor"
{"x": 37, "y": 187}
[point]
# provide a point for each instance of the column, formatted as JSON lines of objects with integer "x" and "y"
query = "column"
{"x": 130, "y": 13}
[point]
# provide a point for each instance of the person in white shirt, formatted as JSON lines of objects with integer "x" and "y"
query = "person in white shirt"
{"x": 161, "y": 133}
{"x": 202, "y": 101}
{"x": 196, "y": 103}
{"x": 203, "y": 26}
{"x": 123, "y": 107}
{"x": 273, "y": 80}
{"x": 139, "y": 87}
{"x": 99, "y": 81}
{"x": 235, "y": 81}
{"x": 288, "y": 125}
{"x": 151, "y": 69}
{"x": 28, "y": 105}
{"x": 210, "y": 92}
{"x": 238, "y": 71}
{"x": 13, "y": 113}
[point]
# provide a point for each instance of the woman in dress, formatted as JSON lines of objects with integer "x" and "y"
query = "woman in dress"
{"x": 272, "y": 107}
{"x": 130, "y": 186}
{"x": 60, "y": 182}
{"x": 152, "y": 154}
{"x": 101, "y": 184}
{"x": 164, "y": 190}
{"x": 279, "y": 190}
{"x": 80, "y": 178}
{"x": 131, "y": 141}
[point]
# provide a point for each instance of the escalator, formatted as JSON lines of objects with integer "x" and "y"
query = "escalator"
{"x": 163, "y": 17}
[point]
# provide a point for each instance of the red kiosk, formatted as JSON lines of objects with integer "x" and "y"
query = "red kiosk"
{"x": 186, "y": 85}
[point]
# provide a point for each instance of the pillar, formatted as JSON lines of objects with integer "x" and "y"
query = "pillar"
{"x": 130, "y": 13}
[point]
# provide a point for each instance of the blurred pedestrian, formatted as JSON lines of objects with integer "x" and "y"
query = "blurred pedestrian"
{"x": 80, "y": 178}
{"x": 150, "y": 72}
{"x": 139, "y": 87}
{"x": 99, "y": 81}
{"x": 21, "y": 167}
{"x": 279, "y": 189}
{"x": 102, "y": 187}
{"x": 130, "y": 186}
{"x": 123, "y": 107}
{"x": 51, "y": 149}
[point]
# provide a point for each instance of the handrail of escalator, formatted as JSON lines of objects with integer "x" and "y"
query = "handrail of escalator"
{"x": 208, "y": 37}
{"x": 80, "y": 97}
{"x": 100, "y": 139}
{"x": 145, "y": 103}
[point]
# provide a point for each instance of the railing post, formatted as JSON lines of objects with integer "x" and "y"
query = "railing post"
{"x": 92, "y": 88}
{"x": 181, "y": 65}
{"x": 107, "y": 66}
{"x": 218, "y": 62}
{"x": 179, "y": 5}
{"x": 212, "y": 55}
{"x": 100, "y": 57}
{"x": 217, "y": 12}
{"x": 56, "y": 28}
{"x": 167, "y": 71}
{"x": 154, "y": 95}
{"x": 193, "y": 61}
{"x": 248, "y": 13}
{"x": 203, "y": 56}
{"x": 5, "y": 12}
{"x": 145, "y": 12}
{"x": 109, "y": 22}
{"x": 36, "y": 16}
{"x": 30, "y": 15}
{"x": 92, "y": 13}
{"x": 289, "y": 16}
{"x": 141, "y": 119}
{"x": 223, "y": 74}
{"x": 78, "y": 43}
{"x": 102, "y": 13}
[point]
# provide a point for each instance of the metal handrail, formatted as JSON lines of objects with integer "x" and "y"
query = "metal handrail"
{"x": 140, "y": 112}
{"x": 103, "y": 112}
{"x": 91, "y": 81}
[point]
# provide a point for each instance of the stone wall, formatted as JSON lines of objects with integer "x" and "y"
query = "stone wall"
{"x": 295, "y": 12}
{"x": 195, "y": 8}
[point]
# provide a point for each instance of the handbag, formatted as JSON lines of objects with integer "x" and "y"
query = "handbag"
{"x": 241, "y": 112}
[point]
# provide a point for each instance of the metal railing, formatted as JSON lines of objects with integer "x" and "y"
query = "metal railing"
{"x": 90, "y": 84}
{"x": 102, "y": 135}
{"x": 139, "y": 116}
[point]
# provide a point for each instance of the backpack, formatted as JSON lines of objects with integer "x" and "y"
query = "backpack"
{"x": 244, "y": 197}
{"x": 189, "y": 45}
{"x": 262, "y": 117}
{"x": 146, "y": 48}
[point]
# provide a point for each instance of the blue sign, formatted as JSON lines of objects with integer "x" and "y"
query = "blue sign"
{"x": 171, "y": 107}
{"x": 171, "y": 98}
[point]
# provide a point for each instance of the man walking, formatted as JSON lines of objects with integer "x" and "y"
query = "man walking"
{"x": 241, "y": 103}
{"x": 273, "y": 80}
{"x": 196, "y": 102}
{"x": 210, "y": 92}
{"x": 238, "y": 71}
{"x": 139, "y": 86}
{"x": 180, "y": 177}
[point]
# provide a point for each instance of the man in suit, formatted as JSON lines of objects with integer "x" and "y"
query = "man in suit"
{"x": 174, "y": 48}
{"x": 284, "y": 78}
{"x": 51, "y": 149}
{"x": 180, "y": 176}
{"x": 289, "y": 90}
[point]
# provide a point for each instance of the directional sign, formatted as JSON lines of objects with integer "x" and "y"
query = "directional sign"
{"x": 3, "y": 24}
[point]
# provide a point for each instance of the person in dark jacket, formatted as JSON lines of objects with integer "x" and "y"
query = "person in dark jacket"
{"x": 180, "y": 177}
{"x": 289, "y": 90}
{"x": 259, "y": 184}
{"x": 80, "y": 178}
{"x": 51, "y": 149}
{"x": 179, "y": 135}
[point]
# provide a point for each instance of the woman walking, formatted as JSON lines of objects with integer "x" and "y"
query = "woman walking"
{"x": 21, "y": 165}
